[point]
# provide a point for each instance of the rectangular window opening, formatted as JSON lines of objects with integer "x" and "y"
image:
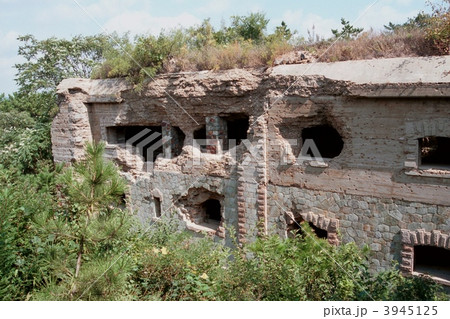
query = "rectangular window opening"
{"x": 157, "y": 202}
{"x": 434, "y": 261}
{"x": 237, "y": 128}
{"x": 434, "y": 152}
{"x": 145, "y": 139}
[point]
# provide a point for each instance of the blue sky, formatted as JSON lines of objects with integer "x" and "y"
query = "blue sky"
{"x": 66, "y": 18}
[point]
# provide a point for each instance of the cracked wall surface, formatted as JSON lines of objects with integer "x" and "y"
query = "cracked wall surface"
{"x": 371, "y": 192}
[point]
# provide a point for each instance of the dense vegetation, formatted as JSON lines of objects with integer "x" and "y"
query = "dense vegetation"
{"x": 65, "y": 233}
{"x": 66, "y": 236}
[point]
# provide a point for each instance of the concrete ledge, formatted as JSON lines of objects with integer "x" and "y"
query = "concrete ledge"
{"x": 429, "y": 173}
{"x": 435, "y": 90}
{"x": 377, "y": 71}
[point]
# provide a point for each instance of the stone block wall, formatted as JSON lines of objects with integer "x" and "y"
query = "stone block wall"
{"x": 377, "y": 222}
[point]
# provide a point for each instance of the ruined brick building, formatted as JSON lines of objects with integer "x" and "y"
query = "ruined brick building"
{"x": 227, "y": 148}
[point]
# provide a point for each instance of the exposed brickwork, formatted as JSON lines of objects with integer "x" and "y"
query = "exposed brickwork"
{"x": 419, "y": 237}
{"x": 216, "y": 133}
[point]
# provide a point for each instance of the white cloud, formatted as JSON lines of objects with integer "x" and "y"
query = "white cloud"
{"x": 8, "y": 42}
{"x": 59, "y": 12}
{"x": 116, "y": 15}
{"x": 8, "y": 58}
{"x": 214, "y": 6}
{"x": 78, "y": 13}
{"x": 380, "y": 16}
{"x": 7, "y": 73}
{"x": 142, "y": 22}
{"x": 105, "y": 9}
{"x": 297, "y": 20}
{"x": 321, "y": 25}
{"x": 293, "y": 17}
{"x": 404, "y": 2}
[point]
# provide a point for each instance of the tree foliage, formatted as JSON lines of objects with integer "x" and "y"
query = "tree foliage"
{"x": 148, "y": 55}
{"x": 435, "y": 25}
{"x": 24, "y": 266}
{"x": 49, "y": 61}
{"x": 422, "y": 20}
{"x": 282, "y": 31}
{"x": 91, "y": 225}
{"x": 347, "y": 32}
{"x": 25, "y": 130}
{"x": 251, "y": 27}
{"x": 94, "y": 188}
{"x": 439, "y": 28}
{"x": 175, "y": 266}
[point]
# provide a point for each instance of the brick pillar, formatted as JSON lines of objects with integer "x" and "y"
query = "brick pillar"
{"x": 252, "y": 185}
{"x": 172, "y": 143}
{"x": 167, "y": 136}
{"x": 216, "y": 134}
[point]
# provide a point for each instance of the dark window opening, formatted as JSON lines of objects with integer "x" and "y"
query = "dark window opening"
{"x": 177, "y": 141}
{"x": 295, "y": 229}
{"x": 433, "y": 261}
{"x": 237, "y": 127}
{"x": 435, "y": 151}
{"x": 157, "y": 202}
{"x": 320, "y": 233}
{"x": 212, "y": 209}
{"x": 326, "y": 138}
{"x": 146, "y": 140}
{"x": 200, "y": 134}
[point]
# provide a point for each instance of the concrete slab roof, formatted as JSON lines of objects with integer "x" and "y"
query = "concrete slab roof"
{"x": 378, "y": 71}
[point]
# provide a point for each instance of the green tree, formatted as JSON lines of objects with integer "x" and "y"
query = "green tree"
{"x": 48, "y": 62}
{"x": 421, "y": 21}
{"x": 87, "y": 233}
{"x": 439, "y": 27}
{"x": 95, "y": 187}
{"x": 249, "y": 27}
{"x": 25, "y": 130}
{"x": 23, "y": 253}
{"x": 202, "y": 35}
{"x": 282, "y": 31}
{"x": 347, "y": 32}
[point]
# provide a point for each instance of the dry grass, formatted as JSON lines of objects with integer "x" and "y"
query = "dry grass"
{"x": 234, "y": 55}
{"x": 371, "y": 45}
{"x": 246, "y": 54}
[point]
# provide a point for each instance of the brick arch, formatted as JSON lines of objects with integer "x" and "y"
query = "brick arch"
{"x": 330, "y": 225}
{"x": 419, "y": 237}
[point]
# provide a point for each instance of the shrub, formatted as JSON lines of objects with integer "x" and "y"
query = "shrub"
{"x": 23, "y": 266}
{"x": 175, "y": 266}
{"x": 439, "y": 26}
{"x": 372, "y": 45}
{"x": 303, "y": 268}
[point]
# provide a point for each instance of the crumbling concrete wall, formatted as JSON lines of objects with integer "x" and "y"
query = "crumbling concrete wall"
{"x": 370, "y": 190}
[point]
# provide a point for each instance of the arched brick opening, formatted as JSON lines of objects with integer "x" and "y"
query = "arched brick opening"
{"x": 323, "y": 227}
{"x": 426, "y": 253}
